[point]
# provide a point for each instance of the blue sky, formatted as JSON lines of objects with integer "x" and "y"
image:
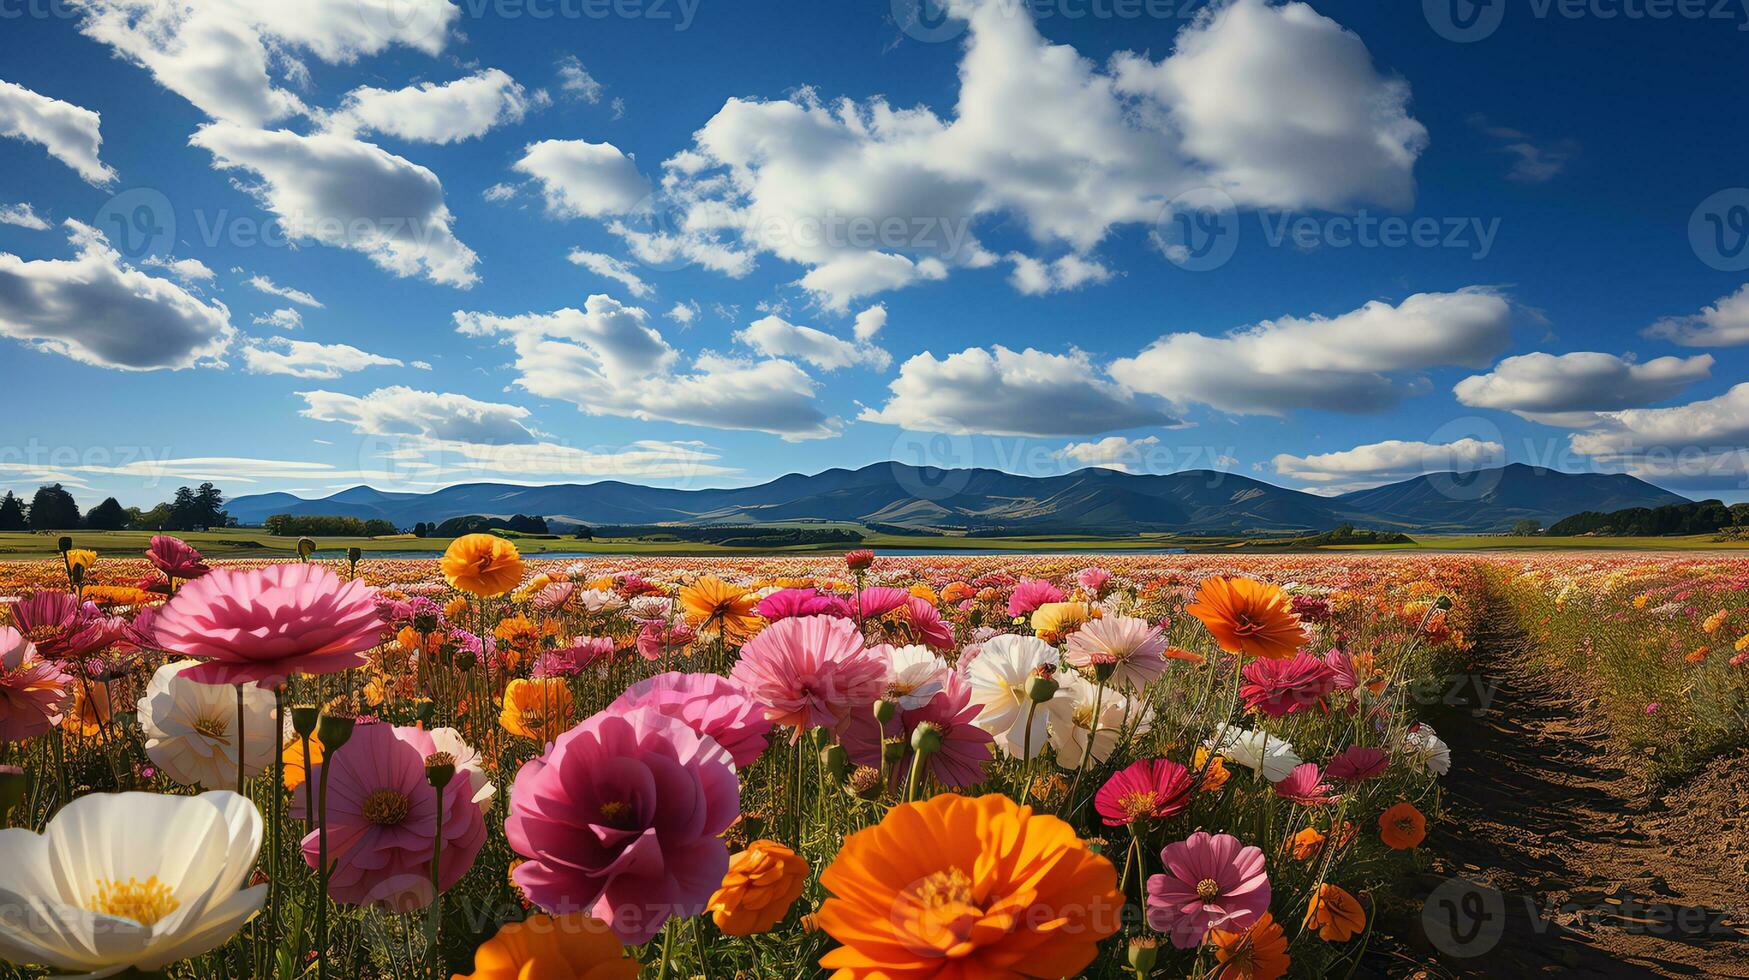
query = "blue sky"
{"x": 706, "y": 243}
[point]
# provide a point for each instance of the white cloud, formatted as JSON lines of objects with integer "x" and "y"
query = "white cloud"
{"x": 22, "y": 215}
{"x": 271, "y": 288}
{"x": 281, "y": 319}
{"x": 348, "y": 194}
{"x": 1010, "y": 393}
{"x": 1723, "y": 324}
{"x": 187, "y": 270}
{"x": 1703, "y": 444}
{"x": 576, "y": 82}
{"x": 70, "y": 133}
{"x": 403, "y": 411}
{"x": 222, "y": 55}
{"x": 584, "y": 180}
{"x": 776, "y": 337}
{"x": 1565, "y": 389}
{"x": 1035, "y": 277}
{"x": 1113, "y": 453}
{"x": 437, "y": 113}
{"x": 684, "y": 313}
{"x": 303, "y": 359}
{"x": 869, "y": 322}
{"x": 97, "y": 309}
{"x": 499, "y": 193}
{"x": 1344, "y": 363}
{"x": 609, "y": 267}
{"x": 1388, "y": 461}
{"x": 607, "y": 360}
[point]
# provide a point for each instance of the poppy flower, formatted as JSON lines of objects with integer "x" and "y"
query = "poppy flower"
{"x": 1358, "y": 763}
{"x": 710, "y": 602}
{"x": 31, "y": 689}
{"x": 175, "y": 558}
{"x": 1031, "y": 593}
{"x": 261, "y": 624}
{"x": 482, "y": 565}
{"x": 1053, "y": 621}
{"x": 762, "y": 883}
{"x": 1402, "y": 827}
{"x": 1257, "y": 953}
{"x": 809, "y": 671}
{"x": 1334, "y": 915}
{"x": 553, "y": 947}
{"x": 999, "y": 677}
{"x": 1247, "y": 617}
{"x": 1211, "y": 882}
{"x": 1305, "y": 786}
{"x": 1132, "y": 650}
{"x": 964, "y": 752}
{"x": 1147, "y": 789}
{"x": 539, "y": 709}
{"x": 191, "y": 728}
{"x": 711, "y": 704}
{"x": 1284, "y": 687}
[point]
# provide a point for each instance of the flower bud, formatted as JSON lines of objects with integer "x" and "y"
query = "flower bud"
{"x": 836, "y": 762}
{"x": 927, "y": 738}
{"x": 1144, "y": 950}
{"x": 892, "y": 749}
{"x": 864, "y": 783}
{"x": 335, "y": 726}
{"x": 859, "y": 560}
{"x": 885, "y": 709}
{"x": 439, "y": 769}
{"x": 423, "y": 709}
{"x": 354, "y": 554}
{"x": 1443, "y": 602}
{"x": 1041, "y": 688}
{"x": 304, "y": 719}
{"x": 306, "y": 548}
{"x": 64, "y": 545}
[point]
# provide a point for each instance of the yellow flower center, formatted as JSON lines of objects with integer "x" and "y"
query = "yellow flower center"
{"x": 387, "y": 807}
{"x": 211, "y": 727}
{"x": 1208, "y": 889}
{"x": 945, "y": 889}
{"x": 616, "y": 812}
{"x": 1140, "y": 802}
{"x": 144, "y": 902}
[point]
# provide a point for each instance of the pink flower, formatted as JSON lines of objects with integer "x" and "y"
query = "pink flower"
{"x": 1283, "y": 687}
{"x": 710, "y": 704}
{"x": 1147, "y": 789}
{"x": 1031, "y": 593}
{"x": 264, "y": 623}
{"x": 1092, "y": 580}
{"x": 656, "y": 638}
{"x": 789, "y": 603}
{"x": 965, "y": 748}
{"x": 1134, "y": 651}
{"x": 63, "y": 628}
{"x": 1358, "y": 763}
{"x": 878, "y": 600}
{"x": 1211, "y": 882}
{"x": 571, "y": 659}
{"x": 175, "y": 558}
{"x": 1342, "y": 670}
{"x": 31, "y": 689}
{"x": 926, "y": 624}
{"x": 620, "y": 818}
{"x": 382, "y": 816}
{"x": 810, "y": 671}
{"x": 1305, "y": 785}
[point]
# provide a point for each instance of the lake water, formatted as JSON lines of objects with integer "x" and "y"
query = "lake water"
{"x": 340, "y": 555}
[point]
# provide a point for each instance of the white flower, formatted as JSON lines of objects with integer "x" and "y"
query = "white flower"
{"x": 598, "y": 600}
{"x": 122, "y": 880}
{"x": 1256, "y": 751}
{"x": 1428, "y": 749}
{"x": 467, "y": 762}
{"x": 652, "y": 607}
{"x": 998, "y": 678}
{"x": 1072, "y": 720}
{"x": 914, "y": 674}
{"x": 191, "y": 728}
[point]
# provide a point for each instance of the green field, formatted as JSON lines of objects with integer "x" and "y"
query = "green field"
{"x": 245, "y": 543}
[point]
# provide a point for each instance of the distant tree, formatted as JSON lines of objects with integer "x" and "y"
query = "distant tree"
{"x": 12, "y": 514}
{"x": 584, "y": 534}
{"x": 1740, "y": 514}
{"x": 209, "y": 507}
{"x": 377, "y": 527}
{"x": 421, "y": 529}
{"x": 183, "y": 511}
{"x": 53, "y": 509}
{"x": 156, "y": 519}
{"x": 107, "y": 516}
{"x": 1530, "y": 527}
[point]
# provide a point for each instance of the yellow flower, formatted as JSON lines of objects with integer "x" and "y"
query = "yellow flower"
{"x": 80, "y": 560}
{"x": 1716, "y": 620}
{"x": 1055, "y": 620}
{"x": 539, "y": 709}
{"x": 482, "y": 564}
{"x": 710, "y": 598}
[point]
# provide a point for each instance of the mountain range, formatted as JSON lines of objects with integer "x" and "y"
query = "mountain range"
{"x": 1095, "y": 502}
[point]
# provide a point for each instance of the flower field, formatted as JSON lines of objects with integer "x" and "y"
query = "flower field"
{"x": 922, "y": 766}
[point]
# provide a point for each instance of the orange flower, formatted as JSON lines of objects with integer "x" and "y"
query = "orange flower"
{"x": 1179, "y": 653}
{"x": 762, "y": 883}
{"x": 482, "y": 564}
{"x": 118, "y": 595}
{"x": 710, "y": 598}
{"x": 1696, "y": 655}
{"x": 455, "y": 610}
{"x": 955, "y": 886}
{"x": 90, "y": 711}
{"x": 1335, "y": 914}
{"x": 1258, "y": 953}
{"x": 957, "y": 592}
{"x": 539, "y": 709}
{"x": 1213, "y": 777}
{"x": 553, "y": 947}
{"x": 293, "y": 755}
{"x": 1307, "y": 843}
{"x": 1402, "y": 827}
{"x": 1248, "y": 617}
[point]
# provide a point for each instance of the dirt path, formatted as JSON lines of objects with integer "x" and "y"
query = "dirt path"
{"x": 1555, "y": 859}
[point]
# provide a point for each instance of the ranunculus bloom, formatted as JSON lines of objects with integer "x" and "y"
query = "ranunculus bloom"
{"x": 877, "y": 600}
{"x": 925, "y": 624}
{"x": 1093, "y": 580}
{"x": 711, "y": 603}
{"x": 553, "y": 947}
{"x": 175, "y": 558}
{"x": 1334, "y": 914}
{"x": 1054, "y": 620}
{"x": 261, "y": 624}
{"x": 914, "y": 674}
{"x": 1305, "y": 786}
{"x": 31, "y": 689}
{"x": 1402, "y": 827}
{"x": 958, "y": 887}
{"x": 482, "y": 564}
{"x": 965, "y": 748}
{"x": 121, "y": 880}
{"x": 1247, "y": 617}
{"x": 1147, "y": 789}
{"x": 1357, "y": 763}
{"x": 789, "y": 603}
{"x": 1029, "y": 594}
{"x": 621, "y": 818}
{"x": 1257, "y": 953}
{"x": 382, "y": 815}
{"x": 810, "y": 671}
{"x": 999, "y": 678}
{"x": 63, "y": 628}
{"x": 191, "y": 728}
{"x": 1283, "y": 687}
{"x": 539, "y": 709}
{"x": 1211, "y": 882}
{"x": 762, "y": 883}
{"x": 711, "y": 704}
{"x": 1131, "y": 649}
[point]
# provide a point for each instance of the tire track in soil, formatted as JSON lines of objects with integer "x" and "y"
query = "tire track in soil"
{"x": 1554, "y": 859}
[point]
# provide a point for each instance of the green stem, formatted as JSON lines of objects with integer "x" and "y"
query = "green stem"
{"x": 321, "y": 863}
{"x": 436, "y": 917}
{"x": 242, "y": 747}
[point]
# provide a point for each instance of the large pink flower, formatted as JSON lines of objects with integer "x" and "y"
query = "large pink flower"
{"x": 878, "y": 600}
{"x": 965, "y": 748}
{"x": 1147, "y": 789}
{"x": 261, "y": 624}
{"x": 175, "y": 558}
{"x": 789, "y": 603}
{"x": 1211, "y": 882}
{"x": 711, "y": 704}
{"x": 1131, "y": 648}
{"x": 810, "y": 671}
{"x": 926, "y": 625}
{"x": 63, "y": 628}
{"x": 1283, "y": 687}
{"x": 382, "y": 816}
{"x": 31, "y": 689}
{"x": 1030, "y": 594}
{"x": 620, "y": 818}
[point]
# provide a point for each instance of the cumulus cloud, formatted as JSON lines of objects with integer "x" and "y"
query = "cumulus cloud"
{"x": 271, "y": 288}
{"x": 69, "y": 132}
{"x": 869, "y": 323}
{"x": 97, "y": 309}
{"x": 580, "y": 179}
{"x": 1113, "y": 453}
{"x": 437, "y": 113}
{"x": 607, "y": 360}
{"x": 1388, "y": 461}
{"x": 1011, "y": 393}
{"x": 1347, "y": 363}
{"x": 576, "y": 82}
{"x": 684, "y": 313}
{"x": 348, "y": 194}
{"x": 282, "y": 319}
{"x": 23, "y": 216}
{"x": 1566, "y": 389}
{"x": 1034, "y": 277}
{"x": 403, "y": 411}
{"x": 609, "y": 267}
{"x": 1723, "y": 324}
{"x": 303, "y": 359}
{"x": 187, "y": 270}
{"x": 776, "y": 337}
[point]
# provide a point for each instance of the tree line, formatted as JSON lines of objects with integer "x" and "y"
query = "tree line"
{"x": 1697, "y": 517}
{"x": 52, "y": 508}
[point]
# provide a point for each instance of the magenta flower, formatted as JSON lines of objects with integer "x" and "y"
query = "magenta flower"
{"x": 965, "y": 748}
{"x": 1092, "y": 580}
{"x": 1341, "y": 669}
{"x": 710, "y": 704}
{"x": 1147, "y": 789}
{"x": 264, "y": 623}
{"x": 175, "y": 558}
{"x": 620, "y": 818}
{"x": 878, "y": 600}
{"x": 1358, "y": 763}
{"x": 926, "y": 624}
{"x": 810, "y": 671}
{"x": 31, "y": 689}
{"x": 1211, "y": 882}
{"x": 382, "y": 816}
{"x": 1283, "y": 687}
{"x": 789, "y": 603}
{"x": 574, "y": 657}
{"x": 62, "y": 628}
{"x": 1305, "y": 785}
{"x": 1031, "y": 593}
